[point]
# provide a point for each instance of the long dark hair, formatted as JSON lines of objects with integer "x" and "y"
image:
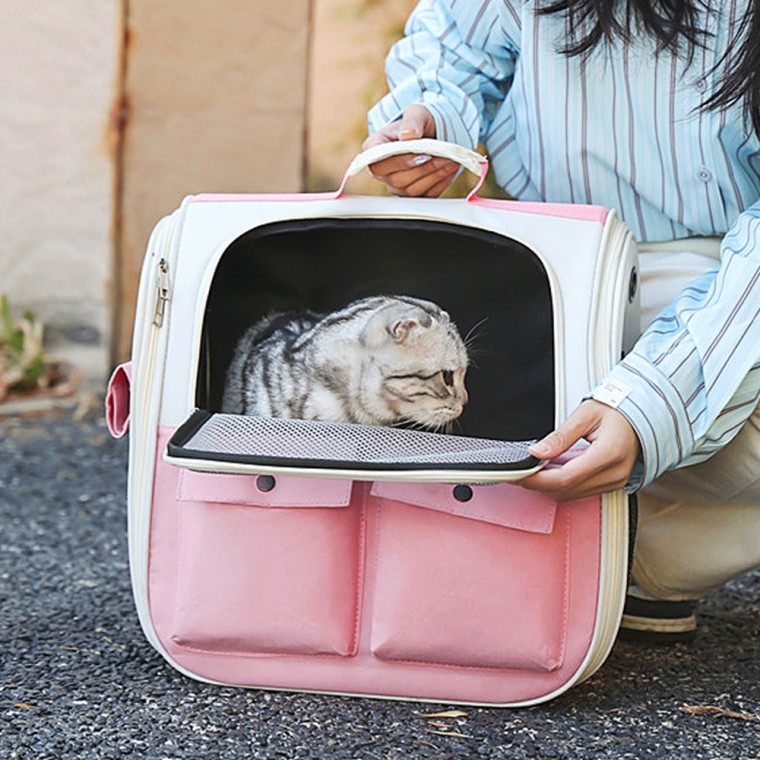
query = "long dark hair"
{"x": 674, "y": 26}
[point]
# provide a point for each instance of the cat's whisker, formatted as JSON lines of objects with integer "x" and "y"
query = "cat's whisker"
{"x": 472, "y": 333}
{"x": 475, "y": 350}
{"x": 477, "y": 325}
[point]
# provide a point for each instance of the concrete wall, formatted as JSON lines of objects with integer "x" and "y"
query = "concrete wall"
{"x": 111, "y": 111}
{"x": 58, "y": 71}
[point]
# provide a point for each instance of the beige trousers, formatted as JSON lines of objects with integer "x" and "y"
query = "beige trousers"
{"x": 699, "y": 526}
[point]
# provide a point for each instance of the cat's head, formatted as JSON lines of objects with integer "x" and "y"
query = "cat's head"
{"x": 414, "y": 365}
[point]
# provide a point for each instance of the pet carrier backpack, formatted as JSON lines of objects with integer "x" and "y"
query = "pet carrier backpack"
{"x": 362, "y": 560}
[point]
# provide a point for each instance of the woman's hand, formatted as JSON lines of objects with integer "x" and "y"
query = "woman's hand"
{"x": 604, "y": 466}
{"x": 410, "y": 174}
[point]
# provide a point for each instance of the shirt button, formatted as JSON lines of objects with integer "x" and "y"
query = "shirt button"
{"x": 701, "y": 85}
{"x": 704, "y": 174}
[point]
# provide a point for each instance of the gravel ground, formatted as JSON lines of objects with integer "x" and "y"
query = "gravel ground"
{"x": 78, "y": 679}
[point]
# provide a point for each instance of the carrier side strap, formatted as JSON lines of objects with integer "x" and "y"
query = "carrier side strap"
{"x": 117, "y": 400}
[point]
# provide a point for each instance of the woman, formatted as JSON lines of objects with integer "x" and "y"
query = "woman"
{"x": 652, "y": 108}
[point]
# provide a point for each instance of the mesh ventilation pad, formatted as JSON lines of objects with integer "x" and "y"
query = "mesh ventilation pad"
{"x": 208, "y": 441}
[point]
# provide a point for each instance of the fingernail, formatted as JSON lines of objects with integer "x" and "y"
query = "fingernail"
{"x": 539, "y": 448}
{"x": 408, "y": 134}
{"x": 419, "y": 160}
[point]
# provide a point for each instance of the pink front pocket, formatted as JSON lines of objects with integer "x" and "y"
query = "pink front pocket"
{"x": 458, "y": 591}
{"x": 260, "y": 574}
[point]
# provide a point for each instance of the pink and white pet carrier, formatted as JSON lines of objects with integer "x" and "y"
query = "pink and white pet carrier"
{"x": 362, "y": 560}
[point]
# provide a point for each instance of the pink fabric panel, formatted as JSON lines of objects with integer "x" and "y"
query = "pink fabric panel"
{"x": 257, "y": 572}
{"x": 117, "y": 400}
{"x": 280, "y": 598}
{"x": 504, "y": 504}
{"x": 261, "y": 580}
{"x": 461, "y": 592}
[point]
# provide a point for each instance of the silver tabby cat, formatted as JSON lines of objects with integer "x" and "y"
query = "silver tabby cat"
{"x": 382, "y": 360}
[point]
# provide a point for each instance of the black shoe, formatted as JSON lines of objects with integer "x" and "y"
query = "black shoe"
{"x": 657, "y": 621}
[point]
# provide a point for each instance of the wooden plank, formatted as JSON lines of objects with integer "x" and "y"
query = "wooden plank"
{"x": 214, "y": 100}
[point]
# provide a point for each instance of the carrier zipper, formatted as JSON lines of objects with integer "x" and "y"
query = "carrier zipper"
{"x": 143, "y": 439}
{"x": 613, "y": 581}
{"x": 604, "y": 354}
{"x": 614, "y": 560}
{"x": 162, "y": 292}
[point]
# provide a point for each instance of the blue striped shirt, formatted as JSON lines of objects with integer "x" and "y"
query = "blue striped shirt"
{"x": 620, "y": 129}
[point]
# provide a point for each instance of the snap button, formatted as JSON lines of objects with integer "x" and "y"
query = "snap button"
{"x": 265, "y": 483}
{"x": 700, "y": 85}
{"x": 462, "y": 492}
{"x": 704, "y": 174}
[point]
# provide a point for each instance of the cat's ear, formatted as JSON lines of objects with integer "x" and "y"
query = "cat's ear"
{"x": 401, "y": 326}
{"x": 396, "y": 322}
{"x": 399, "y": 329}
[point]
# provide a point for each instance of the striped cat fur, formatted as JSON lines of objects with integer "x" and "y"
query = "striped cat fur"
{"x": 382, "y": 360}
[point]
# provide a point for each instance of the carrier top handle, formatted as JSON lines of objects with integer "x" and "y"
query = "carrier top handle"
{"x": 469, "y": 159}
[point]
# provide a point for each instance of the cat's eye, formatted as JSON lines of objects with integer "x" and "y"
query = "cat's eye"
{"x": 448, "y": 377}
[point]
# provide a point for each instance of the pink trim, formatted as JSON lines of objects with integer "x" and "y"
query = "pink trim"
{"x": 580, "y": 212}
{"x": 447, "y": 609}
{"x": 117, "y": 400}
{"x": 584, "y": 213}
{"x": 265, "y": 197}
{"x": 472, "y": 196}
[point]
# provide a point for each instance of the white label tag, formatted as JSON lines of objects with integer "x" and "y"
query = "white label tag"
{"x": 612, "y": 393}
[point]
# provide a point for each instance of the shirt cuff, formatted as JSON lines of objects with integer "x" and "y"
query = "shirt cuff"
{"x": 449, "y": 125}
{"x": 655, "y": 410}
{"x": 383, "y": 113}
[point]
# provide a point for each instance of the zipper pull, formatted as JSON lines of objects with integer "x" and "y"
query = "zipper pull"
{"x": 162, "y": 292}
